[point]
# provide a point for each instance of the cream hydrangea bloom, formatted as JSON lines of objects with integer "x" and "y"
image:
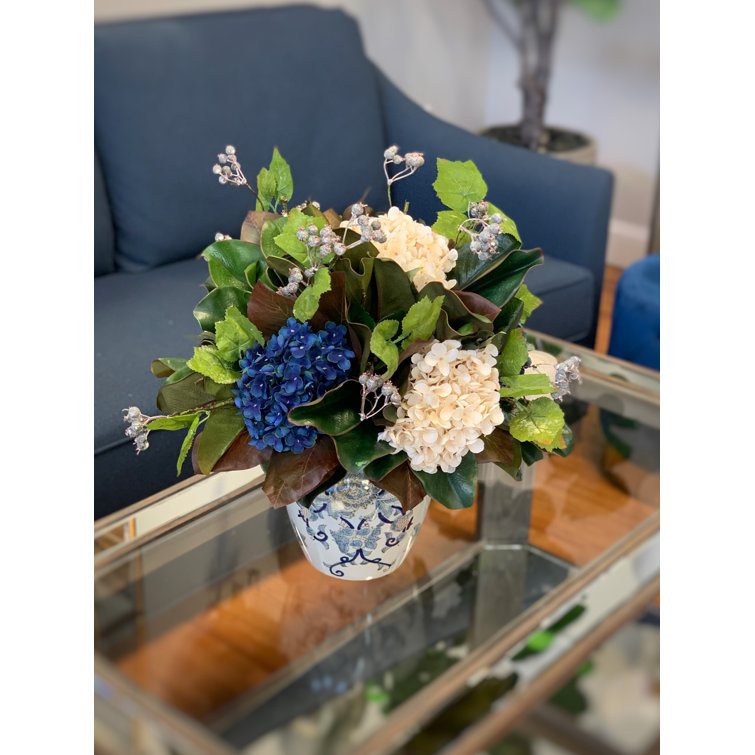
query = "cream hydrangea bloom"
{"x": 413, "y": 245}
{"x": 541, "y": 363}
{"x": 452, "y": 400}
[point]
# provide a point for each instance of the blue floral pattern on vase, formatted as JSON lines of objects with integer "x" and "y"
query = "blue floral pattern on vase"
{"x": 355, "y": 530}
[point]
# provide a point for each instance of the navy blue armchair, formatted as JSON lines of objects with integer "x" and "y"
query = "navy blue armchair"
{"x": 171, "y": 93}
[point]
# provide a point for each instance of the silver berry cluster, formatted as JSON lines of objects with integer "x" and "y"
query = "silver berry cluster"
{"x": 376, "y": 394}
{"x": 222, "y": 237}
{"x": 295, "y": 279}
{"x": 369, "y": 228}
{"x": 324, "y": 240}
{"x": 483, "y": 231}
{"x": 137, "y": 428}
{"x": 228, "y": 169}
{"x": 411, "y": 161}
{"x": 566, "y": 372}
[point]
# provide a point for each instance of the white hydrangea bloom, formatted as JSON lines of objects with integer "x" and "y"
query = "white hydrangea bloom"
{"x": 452, "y": 400}
{"x": 413, "y": 245}
{"x": 541, "y": 363}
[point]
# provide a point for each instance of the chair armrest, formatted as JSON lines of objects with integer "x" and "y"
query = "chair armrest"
{"x": 562, "y": 207}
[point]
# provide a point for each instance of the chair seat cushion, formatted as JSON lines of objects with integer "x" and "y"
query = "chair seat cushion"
{"x": 567, "y": 293}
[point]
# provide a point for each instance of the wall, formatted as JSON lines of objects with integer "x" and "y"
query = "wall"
{"x": 449, "y": 56}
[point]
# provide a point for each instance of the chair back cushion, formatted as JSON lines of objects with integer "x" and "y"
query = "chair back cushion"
{"x": 104, "y": 242}
{"x": 171, "y": 93}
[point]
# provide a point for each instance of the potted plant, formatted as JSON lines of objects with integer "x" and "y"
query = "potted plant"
{"x": 531, "y": 26}
{"x": 368, "y": 362}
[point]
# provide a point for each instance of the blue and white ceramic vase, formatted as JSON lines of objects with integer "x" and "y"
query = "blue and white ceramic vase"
{"x": 355, "y": 530}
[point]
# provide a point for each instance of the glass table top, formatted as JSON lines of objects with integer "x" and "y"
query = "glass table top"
{"x": 214, "y": 634}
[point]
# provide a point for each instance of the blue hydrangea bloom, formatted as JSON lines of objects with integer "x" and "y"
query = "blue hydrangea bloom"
{"x": 296, "y": 366}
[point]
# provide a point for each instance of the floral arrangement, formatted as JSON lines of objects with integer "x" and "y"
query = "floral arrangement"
{"x": 364, "y": 343}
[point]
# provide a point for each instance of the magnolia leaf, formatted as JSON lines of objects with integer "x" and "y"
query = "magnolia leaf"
{"x": 212, "y": 308}
{"x": 530, "y": 453}
{"x": 384, "y": 349}
{"x": 540, "y": 422}
{"x": 270, "y": 231}
{"x": 420, "y": 320}
{"x": 254, "y": 222}
{"x": 402, "y": 482}
{"x": 166, "y": 366}
{"x": 510, "y": 317}
{"x": 227, "y": 261}
{"x": 268, "y": 310}
{"x": 336, "y": 412}
{"x": 359, "y": 446}
{"x": 455, "y": 490}
{"x": 379, "y": 468}
{"x": 307, "y": 498}
{"x": 519, "y": 386}
{"x": 184, "y": 394}
{"x": 470, "y": 268}
{"x": 309, "y": 299}
{"x": 290, "y": 476}
{"x": 220, "y": 430}
{"x": 207, "y": 361}
{"x": 235, "y": 335}
{"x": 530, "y": 302}
{"x": 501, "y": 283}
{"x": 284, "y": 183}
{"x": 394, "y": 291}
{"x": 513, "y": 355}
{"x": 241, "y": 455}
{"x": 458, "y": 184}
{"x": 501, "y": 449}
{"x": 567, "y": 438}
{"x": 186, "y": 445}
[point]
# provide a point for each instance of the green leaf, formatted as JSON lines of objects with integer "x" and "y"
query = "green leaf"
{"x": 455, "y": 490}
{"x": 470, "y": 268}
{"x": 513, "y": 355}
{"x": 540, "y": 421}
{"x": 384, "y": 349}
{"x": 252, "y": 273}
{"x": 207, "y": 361}
{"x": 212, "y": 308}
{"x": 379, "y": 468}
{"x": 265, "y": 189}
{"x": 287, "y": 240}
{"x": 334, "y": 413}
{"x": 309, "y": 299}
{"x": 234, "y": 335}
{"x": 448, "y": 223}
{"x": 519, "y": 386}
{"x": 459, "y": 183}
{"x": 284, "y": 183}
{"x": 227, "y": 261}
{"x": 501, "y": 283}
{"x": 178, "y": 375}
{"x": 172, "y": 423}
{"x": 508, "y": 225}
{"x": 359, "y": 446}
{"x": 220, "y": 430}
{"x": 403, "y": 482}
{"x": 270, "y": 230}
{"x": 420, "y": 320}
{"x": 166, "y": 366}
{"x": 395, "y": 293}
{"x": 530, "y": 302}
{"x": 186, "y": 445}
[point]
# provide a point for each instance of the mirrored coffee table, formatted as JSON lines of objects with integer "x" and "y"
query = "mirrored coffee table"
{"x": 213, "y": 634}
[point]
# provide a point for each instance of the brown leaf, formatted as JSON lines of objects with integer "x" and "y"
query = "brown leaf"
{"x": 332, "y": 304}
{"x": 251, "y": 228}
{"x": 240, "y": 455}
{"x": 499, "y": 447}
{"x": 333, "y": 218}
{"x": 290, "y": 475}
{"x": 479, "y": 305}
{"x": 404, "y": 484}
{"x": 269, "y": 310}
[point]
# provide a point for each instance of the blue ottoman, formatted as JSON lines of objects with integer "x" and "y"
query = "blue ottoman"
{"x": 636, "y": 323}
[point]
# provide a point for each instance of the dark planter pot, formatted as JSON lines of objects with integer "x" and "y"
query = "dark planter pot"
{"x": 560, "y": 143}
